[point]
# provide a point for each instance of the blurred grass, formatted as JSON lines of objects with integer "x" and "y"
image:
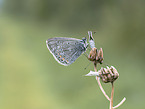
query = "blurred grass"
{"x": 30, "y": 78}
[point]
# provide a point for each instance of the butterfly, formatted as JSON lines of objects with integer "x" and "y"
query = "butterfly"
{"x": 66, "y": 50}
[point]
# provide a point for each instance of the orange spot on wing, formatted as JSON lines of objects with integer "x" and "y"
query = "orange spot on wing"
{"x": 67, "y": 61}
{"x": 59, "y": 55}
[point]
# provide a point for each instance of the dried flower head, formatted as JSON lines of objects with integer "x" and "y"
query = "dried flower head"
{"x": 96, "y": 55}
{"x": 93, "y": 54}
{"x": 108, "y": 74}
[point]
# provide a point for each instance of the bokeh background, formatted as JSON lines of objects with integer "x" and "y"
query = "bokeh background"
{"x": 30, "y": 78}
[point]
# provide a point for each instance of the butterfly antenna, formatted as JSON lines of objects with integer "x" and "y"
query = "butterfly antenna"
{"x": 87, "y": 65}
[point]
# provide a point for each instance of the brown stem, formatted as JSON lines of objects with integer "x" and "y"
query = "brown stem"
{"x": 111, "y": 100}
{"x": 98, "y": 80}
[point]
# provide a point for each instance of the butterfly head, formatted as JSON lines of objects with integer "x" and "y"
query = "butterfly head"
{"x": 84, "y": 40}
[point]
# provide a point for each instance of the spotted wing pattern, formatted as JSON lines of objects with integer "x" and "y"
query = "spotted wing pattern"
{"x": 66, "y": 50}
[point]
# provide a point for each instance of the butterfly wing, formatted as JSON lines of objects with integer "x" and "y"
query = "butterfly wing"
{"x": 66, "y": 50}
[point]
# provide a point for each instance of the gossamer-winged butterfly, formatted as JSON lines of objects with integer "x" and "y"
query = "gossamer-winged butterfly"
{"x": 66, "y": 50}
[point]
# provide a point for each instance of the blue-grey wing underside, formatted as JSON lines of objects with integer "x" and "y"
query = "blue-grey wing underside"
{"x": 65, "y": 50}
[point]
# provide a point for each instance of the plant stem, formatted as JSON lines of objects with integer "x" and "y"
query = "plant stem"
{"x": 98, "y": 80}
{"x": 119, "y": 103}
{"x": 112, "y": 93}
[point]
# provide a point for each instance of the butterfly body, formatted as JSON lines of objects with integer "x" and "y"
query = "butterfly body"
{"x": 66, "y": 50}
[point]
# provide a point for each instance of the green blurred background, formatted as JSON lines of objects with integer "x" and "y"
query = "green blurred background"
{"x": 30, "y": 78}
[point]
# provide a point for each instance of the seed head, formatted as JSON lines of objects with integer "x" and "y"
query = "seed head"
{"x": 108, "y": 74}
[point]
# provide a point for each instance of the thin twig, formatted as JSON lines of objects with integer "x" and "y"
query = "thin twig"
{"x": 120, "y": 103}
{"x": 112, "y": 93}
{"x": 98, "y": 80}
